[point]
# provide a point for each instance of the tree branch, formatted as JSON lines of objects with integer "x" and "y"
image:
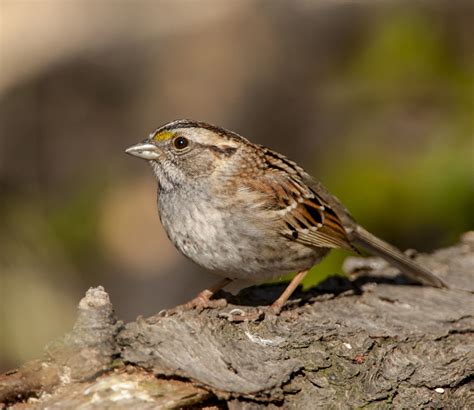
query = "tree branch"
{"x": 376, "y": 340}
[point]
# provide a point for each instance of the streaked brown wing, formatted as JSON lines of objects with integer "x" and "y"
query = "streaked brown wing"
{"x": 307, "y": 217}
{"x": 312, "y": 222}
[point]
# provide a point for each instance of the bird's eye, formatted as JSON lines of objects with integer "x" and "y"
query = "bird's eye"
{"x": 180, "y": 142}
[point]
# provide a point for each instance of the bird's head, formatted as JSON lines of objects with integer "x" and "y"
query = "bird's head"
{"x": 183, "y": 151}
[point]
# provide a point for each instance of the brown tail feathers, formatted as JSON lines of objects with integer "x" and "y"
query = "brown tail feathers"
{"x": 376, "y": 246}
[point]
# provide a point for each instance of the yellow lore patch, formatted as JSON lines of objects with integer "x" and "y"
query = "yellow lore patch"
{"x": 162, "y": 136}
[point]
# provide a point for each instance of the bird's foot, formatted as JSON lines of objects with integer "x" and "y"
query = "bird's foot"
{"x": 200, "y": 302}
{"x": 203, "y": 301}
{"x": 243, "y": 315}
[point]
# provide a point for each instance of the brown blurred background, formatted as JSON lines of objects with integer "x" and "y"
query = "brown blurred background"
{"x": 375, "y": 100}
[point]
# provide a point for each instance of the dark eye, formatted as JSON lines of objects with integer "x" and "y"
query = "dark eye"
{"x": 180, "y": 142}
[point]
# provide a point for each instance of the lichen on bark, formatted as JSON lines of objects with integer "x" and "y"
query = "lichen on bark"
{"x": 375, "y": 341}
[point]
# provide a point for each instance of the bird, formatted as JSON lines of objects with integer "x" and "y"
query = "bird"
{"x": 244, "y": 211}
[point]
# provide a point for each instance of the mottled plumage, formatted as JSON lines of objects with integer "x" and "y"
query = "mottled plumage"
{"x": 246, "y": 212}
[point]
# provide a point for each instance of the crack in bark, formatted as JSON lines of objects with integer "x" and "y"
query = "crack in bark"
{"x": 352, "y": 344}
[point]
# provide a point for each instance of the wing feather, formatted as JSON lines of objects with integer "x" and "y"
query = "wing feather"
{"x": 306, "y": 217}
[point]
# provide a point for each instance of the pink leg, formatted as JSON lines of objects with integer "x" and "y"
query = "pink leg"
{"x": 278, "y": 304}
{"x": 203, "y": 299}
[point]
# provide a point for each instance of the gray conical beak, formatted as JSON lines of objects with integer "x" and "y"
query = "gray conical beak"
{"x": 143, "y": 150}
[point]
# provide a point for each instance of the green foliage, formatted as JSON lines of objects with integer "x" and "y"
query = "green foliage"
{"x": 397, "y": 181}
{"x": 394, "y": 182}
{"x": 402, "y": 47}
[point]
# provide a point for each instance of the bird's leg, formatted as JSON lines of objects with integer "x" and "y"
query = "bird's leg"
{"x": 278, "y": 304}
{"x": 203, "y": 299}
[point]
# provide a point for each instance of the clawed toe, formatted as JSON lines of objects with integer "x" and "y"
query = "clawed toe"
{"x": 197, "y": 303}
{"x": 200, "y": 303}
{"x": 247, "y": 315}
{"x": 203, "y": 301}
{"x": 273, "y": 310}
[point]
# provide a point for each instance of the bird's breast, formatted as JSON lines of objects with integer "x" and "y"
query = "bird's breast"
{"x": 237, "y": 243}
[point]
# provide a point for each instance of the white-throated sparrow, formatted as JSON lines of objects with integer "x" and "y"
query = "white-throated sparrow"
{"x": 246, "y": 212}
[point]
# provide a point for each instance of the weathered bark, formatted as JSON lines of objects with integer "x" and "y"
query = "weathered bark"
{"x": 375, "y": 341}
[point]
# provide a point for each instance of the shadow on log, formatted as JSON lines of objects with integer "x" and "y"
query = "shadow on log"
{"x": 375, "y": 341}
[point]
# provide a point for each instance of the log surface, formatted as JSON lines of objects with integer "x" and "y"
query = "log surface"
{"x": 375, "y": 340}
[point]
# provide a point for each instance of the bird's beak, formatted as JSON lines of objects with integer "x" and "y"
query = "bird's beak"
{"x": 143, "y": 150}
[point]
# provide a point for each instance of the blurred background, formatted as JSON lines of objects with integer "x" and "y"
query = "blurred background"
{"x": 375, "y": 100}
